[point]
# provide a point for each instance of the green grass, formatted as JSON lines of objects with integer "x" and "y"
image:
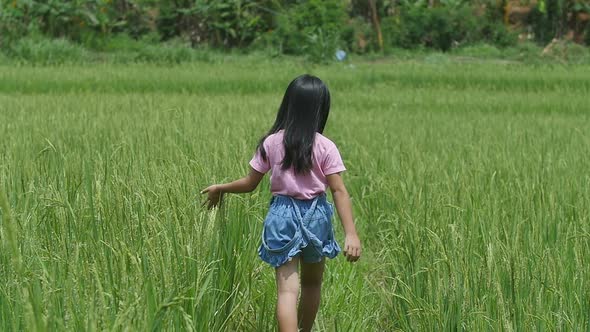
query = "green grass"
{"x": 470, "y": 186}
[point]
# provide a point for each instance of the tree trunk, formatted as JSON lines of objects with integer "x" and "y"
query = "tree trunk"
{"x": 375, "y": 19}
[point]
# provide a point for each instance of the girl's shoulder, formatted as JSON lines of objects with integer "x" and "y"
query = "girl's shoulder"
{"x": 324, "y": 143}
{"x": 273, "y": 139}
{"x": 320, "y": 138}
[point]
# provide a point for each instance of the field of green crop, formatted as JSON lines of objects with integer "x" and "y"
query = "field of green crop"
{"x": 470, "y": 185}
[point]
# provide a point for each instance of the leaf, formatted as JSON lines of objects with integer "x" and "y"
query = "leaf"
{"x": 253, "y": 22}
{"x": 90, "y": 16}
{"x": 42, "y": 9}
{"x": 120, "y": 23}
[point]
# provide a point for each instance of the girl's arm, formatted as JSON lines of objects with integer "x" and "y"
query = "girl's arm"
{"x": 352, "y": 243}
{"x": 243, "y": 185}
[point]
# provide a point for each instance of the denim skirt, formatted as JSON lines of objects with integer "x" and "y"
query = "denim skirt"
{"x": 295, "y": 227}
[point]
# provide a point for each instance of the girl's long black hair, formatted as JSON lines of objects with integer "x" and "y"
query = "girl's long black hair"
{"x": 303, "y": 113}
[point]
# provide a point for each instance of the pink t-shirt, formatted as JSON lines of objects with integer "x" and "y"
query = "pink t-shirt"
{"x": 326, "y": 160}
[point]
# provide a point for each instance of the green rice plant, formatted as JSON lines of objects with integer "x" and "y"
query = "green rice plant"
{"x": 469, "y": 182}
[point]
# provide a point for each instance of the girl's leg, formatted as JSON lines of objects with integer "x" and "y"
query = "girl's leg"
{"x": 288, "y": 291}
{"x": 311, "y": 288}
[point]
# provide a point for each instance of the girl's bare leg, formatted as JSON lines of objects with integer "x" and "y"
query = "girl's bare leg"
{"x": 288, "y": 291}
{"x": 311, "y": 289}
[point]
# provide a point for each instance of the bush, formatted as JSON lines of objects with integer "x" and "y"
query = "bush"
{"x": 3, "y": 58}
{"x": 13, "y": 23}
{"x": 567, "y": 51}
{"x": 124, "y": 42}
{"x": 118, "y": 49}
{"x": 359, "y": 36}
{"x": 147, "y": 49}
{"x": 227, "y": 23}
{"x": 497, "y": 34}
{"x": 577, "y": 54}
{"x": 479, "y": 51}
{"x": 550, "y": 18}
{"x": 439, "y": 27}
{"x": 541, "y": 27}
{"x": 166, "y": 53}
{"x": 443, "y": 27}
{"x": 314, "y": 28}
{"x": 47, "y": 51}
{"x": 526, "y": 51}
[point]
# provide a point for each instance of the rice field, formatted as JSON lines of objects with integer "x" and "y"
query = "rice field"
{"x": 470, "y": 185}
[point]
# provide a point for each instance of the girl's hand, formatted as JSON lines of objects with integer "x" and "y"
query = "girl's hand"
{"x": 214, "y": 194}
{"x": 352, "y": 248}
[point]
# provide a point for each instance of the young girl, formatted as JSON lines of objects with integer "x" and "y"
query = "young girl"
{"x": 298, "y": 230}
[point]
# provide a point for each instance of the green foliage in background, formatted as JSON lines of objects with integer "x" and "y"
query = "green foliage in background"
{"x": 311, "y": 25}
{"x": 221, "y": 23}
{"x": 76, "y": 20}
{"x": 437, "y": 28}
{"x": 553, "y": 18}
{"x": 312, "y": 28}
{"x": 443, "y": 27}
{"x": 546, "y": 20}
